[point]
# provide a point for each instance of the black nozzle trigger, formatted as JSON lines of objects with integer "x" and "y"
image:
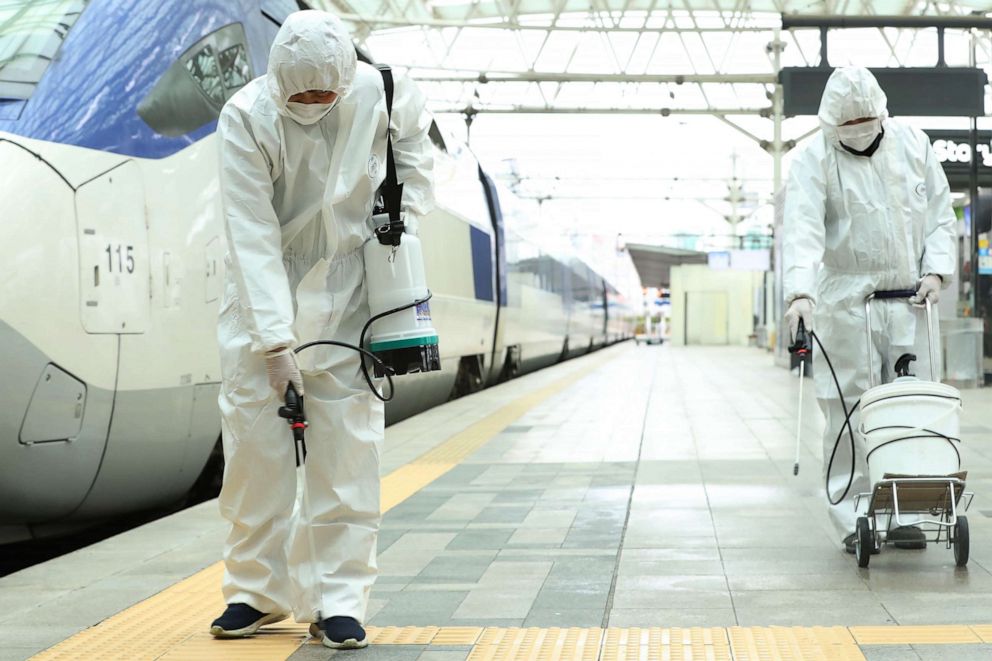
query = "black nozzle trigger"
{"x": 802, "y": 345}
{"x": 292, "y": 411}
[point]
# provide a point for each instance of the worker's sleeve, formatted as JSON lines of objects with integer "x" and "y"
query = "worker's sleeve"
{"x": 254, "y": 237}
{"x": 940, "y": 245}
{"x": 804, "y": 226}
{"x": 412, "y": 150}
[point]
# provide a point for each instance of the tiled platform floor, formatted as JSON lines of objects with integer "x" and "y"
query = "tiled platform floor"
{"x": 655, "y": 492}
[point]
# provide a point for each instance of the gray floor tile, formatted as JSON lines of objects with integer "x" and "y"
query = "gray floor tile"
{"x": 546, "y": 537}
{"x": 419, "y": 609}
{"x": 515, "y": 514}
{"x": 847, "y": 582}
{"x": 672, "y": 598}
{"x": 889, "y": 653}
{"x": 955, "y": 652}
{"x": 504, "y": 622}
{"x": 934, "y": 608}
{"x": 17, "y": 653}
{"x": 558, "y": 617}
{"x": 317, "y": 652}
{"x": 495, "y": 603}
{"x": 578, "y": 597}
{"x": 480, "y": 539}
{"x": 443, "y": 655}
{"x": 672, "y": 617}
{"x": 454, "y": 569}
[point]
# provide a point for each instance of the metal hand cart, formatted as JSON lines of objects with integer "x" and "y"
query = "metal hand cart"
{"x": 932, "y": 503}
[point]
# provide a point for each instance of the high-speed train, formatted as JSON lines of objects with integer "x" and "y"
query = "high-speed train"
{"x": 112, "y": 252}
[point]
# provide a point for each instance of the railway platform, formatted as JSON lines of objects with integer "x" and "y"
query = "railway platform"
{"x": 634, "y": 503}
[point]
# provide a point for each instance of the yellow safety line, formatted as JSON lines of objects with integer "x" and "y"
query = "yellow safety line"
{"x": 171, "y": 625}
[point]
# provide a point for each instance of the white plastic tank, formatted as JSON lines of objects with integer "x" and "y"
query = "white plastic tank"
{"x": 405, "y": 340}
{"x": 911, "y": 427}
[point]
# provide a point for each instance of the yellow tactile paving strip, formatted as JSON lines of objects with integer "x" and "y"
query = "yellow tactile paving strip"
{"x": 172, "y": 624}
{"x": 692, "y": 644}
{"x": 787, "y": 643}
{"x": 538, "y": 644}
{"x": 930, "y": 635}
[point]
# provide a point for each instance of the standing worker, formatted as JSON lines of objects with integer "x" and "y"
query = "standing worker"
{"x": 302, "y": 155}
{"x": 867, "y": 209}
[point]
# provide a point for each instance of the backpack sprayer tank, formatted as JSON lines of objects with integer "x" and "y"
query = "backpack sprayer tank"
{"x": 405, "y": 340}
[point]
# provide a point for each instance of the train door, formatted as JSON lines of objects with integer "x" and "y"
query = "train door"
{"x": 499, "y": 272}
{"x": 113, "y": 252}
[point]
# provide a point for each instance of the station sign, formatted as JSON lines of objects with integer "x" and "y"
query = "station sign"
{"x": 953, "y": 150}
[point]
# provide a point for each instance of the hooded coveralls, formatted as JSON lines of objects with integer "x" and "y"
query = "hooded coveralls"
{"x": 855, "y": 225}
{"x": 298, "y": 187}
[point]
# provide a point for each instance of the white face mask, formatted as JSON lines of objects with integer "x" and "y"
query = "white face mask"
{"x": 860, "y": 136}
{"x": 309, "y": 113}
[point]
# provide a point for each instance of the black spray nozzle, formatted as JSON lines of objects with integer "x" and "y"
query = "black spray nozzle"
{"x": 902, "y": 365}
{"x": 802, "y": 345}
{"x": 292, "y": 411}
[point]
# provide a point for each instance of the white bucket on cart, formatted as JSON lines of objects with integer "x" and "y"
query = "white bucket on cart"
{"x": 911, "y": 427}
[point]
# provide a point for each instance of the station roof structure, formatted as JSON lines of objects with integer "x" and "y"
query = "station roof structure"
{"x": 633, "y": 56}
{"x": 654, "y": 263}
{"x": 519, "y": 79}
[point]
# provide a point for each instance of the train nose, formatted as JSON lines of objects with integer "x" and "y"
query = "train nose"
{"x": 56, "y": 384}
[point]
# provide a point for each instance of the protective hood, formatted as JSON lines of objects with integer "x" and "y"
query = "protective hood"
{"x": 312, "y": 51}
{"x": 851, "y": 93}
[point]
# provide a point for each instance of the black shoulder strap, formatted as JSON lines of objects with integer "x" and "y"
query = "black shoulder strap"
{"x": 392, "y": 190}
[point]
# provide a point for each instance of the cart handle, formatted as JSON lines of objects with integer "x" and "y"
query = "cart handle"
{"x": 888, "y": 296}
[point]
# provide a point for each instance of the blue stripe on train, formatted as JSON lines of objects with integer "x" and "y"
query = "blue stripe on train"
{"x": 482, "y": 264}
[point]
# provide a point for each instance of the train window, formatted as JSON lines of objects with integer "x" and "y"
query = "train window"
{"x": 203, "y": 67}
{"x": 31, "y": 33}
{"x": 277, "y": 10}
{"x": 193, "y": 90}
{"x": 234, "y": 65}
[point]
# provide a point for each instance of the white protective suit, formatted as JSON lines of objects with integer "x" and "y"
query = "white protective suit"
{"x": 297, "y": 201}
{"x": 855, "y": 225}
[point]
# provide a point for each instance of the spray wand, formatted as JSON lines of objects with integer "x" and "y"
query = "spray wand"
{"x": 801, "y": 347}
{"x": 294, "y": 415}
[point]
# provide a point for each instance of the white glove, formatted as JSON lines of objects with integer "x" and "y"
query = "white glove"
{"x": 801, "y": 308}
{"x": 280, "y": 365}
{"x": 929, "y": 290}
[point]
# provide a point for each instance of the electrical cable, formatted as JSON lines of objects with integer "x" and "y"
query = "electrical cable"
{"x": 365, "y": 353}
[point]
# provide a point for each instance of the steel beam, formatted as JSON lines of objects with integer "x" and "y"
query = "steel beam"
{"x": 539, "y": 110}
{"x": 485, "y": 77}
{"x": 790, "y": 21}
{"x": 387, "y": 22}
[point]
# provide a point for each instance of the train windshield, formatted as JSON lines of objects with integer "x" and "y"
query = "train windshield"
{"x": 31, "y": 33}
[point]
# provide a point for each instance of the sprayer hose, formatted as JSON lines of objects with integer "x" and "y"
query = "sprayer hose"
{"x": 365, "y": 353}
{"x": 840, "y": 433}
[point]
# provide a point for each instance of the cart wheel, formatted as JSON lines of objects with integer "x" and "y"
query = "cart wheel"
{"x": 864, "y": 544}
{"x": 962, "y": 542}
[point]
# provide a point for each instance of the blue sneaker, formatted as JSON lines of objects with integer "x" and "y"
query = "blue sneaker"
{"x": 241, "y": 620}
{"x": 340, "y": 633}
